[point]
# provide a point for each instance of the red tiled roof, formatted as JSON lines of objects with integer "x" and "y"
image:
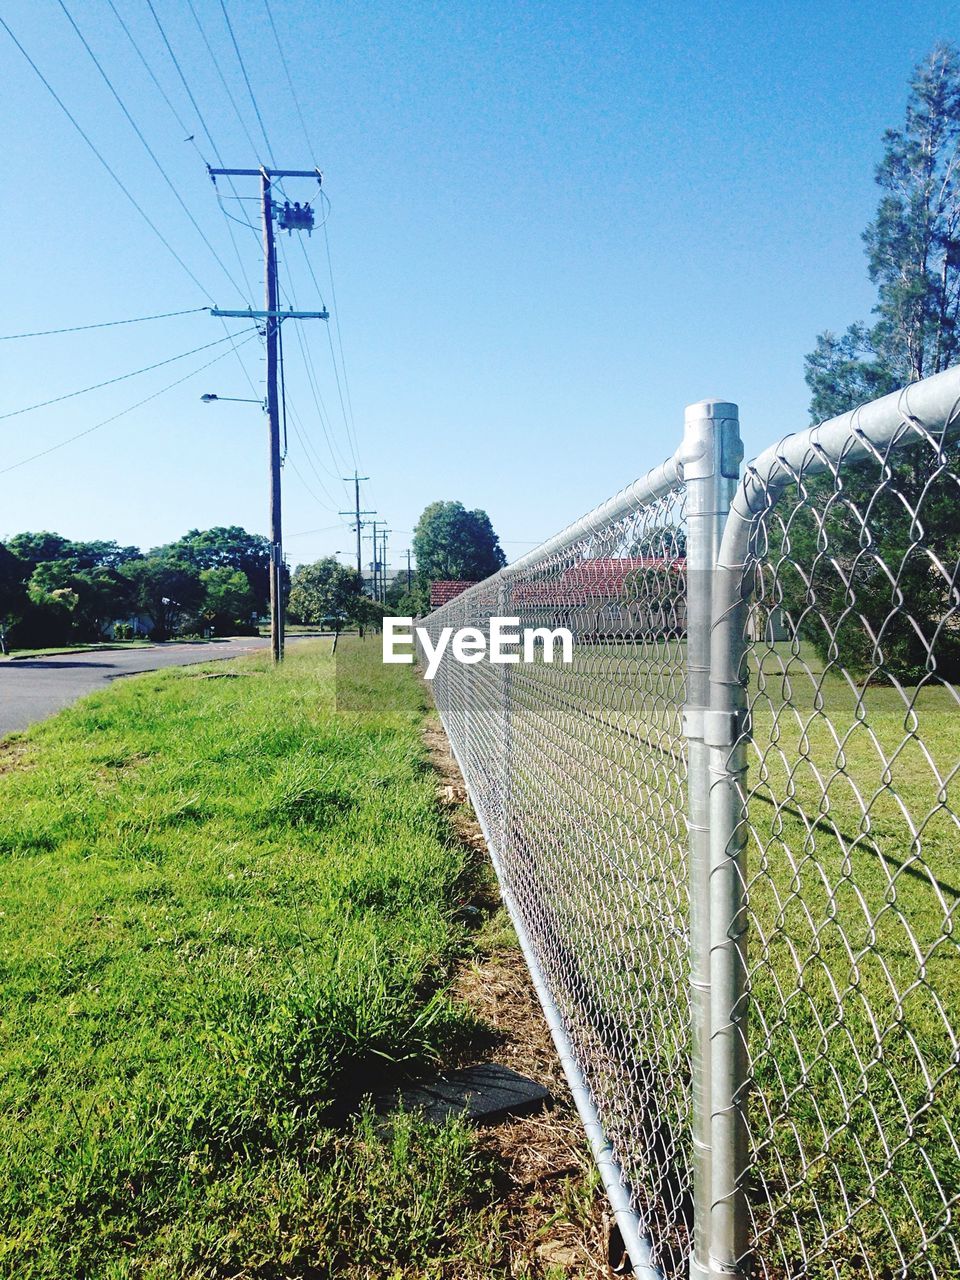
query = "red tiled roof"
{"x": 446, "y": 588}
{"x": 618, "y": 578}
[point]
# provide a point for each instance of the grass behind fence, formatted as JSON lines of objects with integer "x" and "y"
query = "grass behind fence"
{"x": 855, "y": 974}
{"x": 225, "y": 913}
{"x": 854, "y": 968}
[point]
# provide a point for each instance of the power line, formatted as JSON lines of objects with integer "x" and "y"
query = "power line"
{"x": 243, "y": 368}
{"x": 223, "y": 80}
{"x": 149, "y": 70}
{"x": 109, "y": 168}
{"x": 315, "y": 391}
{"x": 206, "y": 128}
{"x": 326, "y": 529}
{"x": 293, "y": 92}
{"x": 346, "y": 405}
{"x": 185, "y": 130}
{"x": 103, "y": 324}
{"x": 123, "y": 412}
{"x": 350, "y": 425}
{"x": 246, "y": 78}
{"x": 299, "y": 474}
{"x": 147, "y": 147}
{"x": 336, "y": 321}
{"x": 70, "y": 395}
{"x": 299, "y": 431}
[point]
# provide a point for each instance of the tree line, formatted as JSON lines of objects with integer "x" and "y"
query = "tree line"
{"x": 870, "y": 562}
{"x": 54, "y": 590}
{"x": 449, "y": 542}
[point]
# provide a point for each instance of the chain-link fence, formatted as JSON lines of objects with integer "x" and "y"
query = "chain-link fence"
{"x": 728, "y": 835}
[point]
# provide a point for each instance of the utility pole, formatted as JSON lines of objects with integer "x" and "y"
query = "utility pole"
{"x": 409, "y": 572}
{"x": 295, "y": 218}
{"x": 376, "y": 561}
{"x": 357, "y": 513}
{"x": 383, "y": 565}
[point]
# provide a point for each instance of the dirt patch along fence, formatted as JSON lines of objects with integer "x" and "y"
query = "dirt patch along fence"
{"x": 727, "y": 834}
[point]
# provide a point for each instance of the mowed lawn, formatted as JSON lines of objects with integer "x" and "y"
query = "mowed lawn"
{"x": 227, "y": 912}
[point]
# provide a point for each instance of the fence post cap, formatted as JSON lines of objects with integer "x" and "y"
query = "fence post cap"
{"x": 711, "y": 408}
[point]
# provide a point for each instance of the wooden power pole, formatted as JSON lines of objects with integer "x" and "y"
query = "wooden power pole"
{"x": 273, "y": 421}
{"x": 293, "y": 218}
{"x": 357, "y": 513}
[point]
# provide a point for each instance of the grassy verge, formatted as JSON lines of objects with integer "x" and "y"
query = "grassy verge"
{"x": 76, "y": 648}
{"x": 226, "y": 913}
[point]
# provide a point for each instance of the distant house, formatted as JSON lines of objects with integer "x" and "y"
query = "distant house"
{"x": 614, "y": 597}
{"x": 446, "y": 589}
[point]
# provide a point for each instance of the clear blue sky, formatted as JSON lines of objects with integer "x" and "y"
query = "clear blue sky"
{"x": 552, "y": 225}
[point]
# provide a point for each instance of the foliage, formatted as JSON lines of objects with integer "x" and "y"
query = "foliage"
{"x": 368, "y": 613}
{"x": 34, "y": 548}
{"x": 54, "y": 590}
{"x": 165, "y": 589}
{"x": 97, "y": 593}
{"x": 228, "y": 600}
{"x": 325, "y": 592}
{"x": 227, "y": 547}
{"x": 913, "y": 254}
{"x": 856, "y": 573}
{"x": 451, "y": 542}
{"x": 13, "y": 595}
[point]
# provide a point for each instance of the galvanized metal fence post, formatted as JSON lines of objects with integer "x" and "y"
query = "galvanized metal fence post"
{"x": 504, "y": 598}
{"x": 711, "y": 454}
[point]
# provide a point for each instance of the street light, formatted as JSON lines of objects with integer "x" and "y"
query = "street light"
{"x": 210, "y": 396}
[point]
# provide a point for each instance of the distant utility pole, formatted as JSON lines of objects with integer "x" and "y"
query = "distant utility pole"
{"x": 357, "y": 513}
{"x": 374, "y": 589}
{"x": 383, "y": 565}
{"x": 292, "y": 218}
{"x": 409, "y": 571}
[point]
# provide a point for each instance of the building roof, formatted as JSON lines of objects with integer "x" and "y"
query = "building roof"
{"x": 446, "y": 589}
{"x": 620, "y": 578}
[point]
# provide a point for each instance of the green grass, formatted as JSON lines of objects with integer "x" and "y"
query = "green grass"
{"x": 853, "y": 886}
{"x": 226, "y": 913}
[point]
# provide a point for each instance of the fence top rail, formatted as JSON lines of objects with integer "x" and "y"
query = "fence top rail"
{"x": 656, "y": 484}
{"x": 930, "y": 407}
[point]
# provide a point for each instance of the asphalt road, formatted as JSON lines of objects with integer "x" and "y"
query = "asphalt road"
{"x": 33, "y": 688}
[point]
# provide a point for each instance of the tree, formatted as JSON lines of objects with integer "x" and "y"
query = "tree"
{"x": 227, "y": 547}
{"x": 913, "y": 255}
{"x": 34, "y": 548}
{"x": 325, "y": 593}
{"x": 859, "y": 550}
{"x": 102, "y": 555}
{"x": 229, "y": 603}
{"x": 98, "y": 593}
{"x": 13, "y": 595}
{"x": 451, "y": 542}
{"x": 165, "y": 589}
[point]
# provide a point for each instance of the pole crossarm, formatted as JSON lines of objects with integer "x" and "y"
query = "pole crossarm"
{"x": 248, "y": 314}
{"x": 270, "y": 173}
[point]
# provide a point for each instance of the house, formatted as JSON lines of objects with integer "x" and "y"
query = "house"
{"x": 446, "y": 589}
{"x": 608, "y": 598}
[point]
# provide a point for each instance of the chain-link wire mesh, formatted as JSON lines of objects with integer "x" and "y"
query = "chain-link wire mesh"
{"x": 728, "y": 835}
{"x": 578, "y": 773}
{"x": 851, "y": 874}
